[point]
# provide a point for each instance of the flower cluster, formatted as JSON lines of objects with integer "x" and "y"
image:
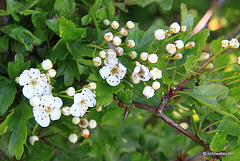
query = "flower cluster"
{"x": 37, "y": 88}
{"x": 233, "y": 43}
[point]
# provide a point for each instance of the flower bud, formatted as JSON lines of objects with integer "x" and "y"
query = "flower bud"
{"x": 66, "y": 110}
{"x": 156, "y": 85}
{"x": 111, "y": 54}
{"x": 209, "y": 66}
{"x": 171, "y": 48}
{"x": 97, "y": 61}
{"x": 123, "y": 32}
{"x": 117, "y": 41}
{"x": 47, "y": 64}
{"x": 119, "y": 51}
{"x": 155, "y": 73}
{"x": 190, "y": 45}
{"x": 75, "y": 120}
{"x": 108, "y": 36}
{"x": 103, "y": 54}
{"x": 132, "y": 54}
{"x": 159, "y": 34}
{"x": 153, "y": 58}
{"x": 204, "y": 56}
{"x": 98, "y": 108}
{"x": 135, "y": 79}
{"x": 106, "y": 22}
{"x": 73, "y": 138}
{"x": 70, "y": 91}
{"x": 184, "y": 125}
{"x": 179, "y": 44}
{"x": 130, "y": 44}
{"x": 85, "y": 133}
{"x": 51, "y": 73}
{"x": 34, "y": 101}
{"x": 92, "y": 85}
{"x": 233, "y": 43}
{"x": 130, "y": 25}
{"x": 144, "y": 56}
{"x": 178, "y": 56}
{"x": 17, "y": 80}
{"x": 224, "y": 43}
{"x": 174, "y": 28}
{"x": 83, "y": 123}
{"x": 32, "y": 139}
{"x": 115, "y": 25}
{"x": 238, "y": 60}
{"x": 183, "y": 28}
{"x": 92, "y": 124}
{"x": 148, "y": 91}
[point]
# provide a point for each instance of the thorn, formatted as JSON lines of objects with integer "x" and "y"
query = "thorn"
{"x": 126, "y": 113}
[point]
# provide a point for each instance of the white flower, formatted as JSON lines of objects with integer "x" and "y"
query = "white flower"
{"x": 108, "y": 36}
{"x": 92, "y": 124}
{"x": 82, "y": 101}
{"x": 113, "y": 73}
{"x": 233, "y": 43}
{"x": 106, "y": 22}
{"x": 97, "y": 61}
{"x": 238, "y": 60}
{"x": 135, "y": 79}
{"x": 34, "y": 101}
{"x": 66, "y": 111}
{"x": 190, "y": 45}
{"x": 114, "y": 24}
{"x": 178, "y": 56}
{"x": 49, "y": 108}
{"x": 153, "y": 58}
{"x": 159, "y": 34}
{"x": 155, "y": 73}
{"x": 111, "y": 54}
{"x": 156, "y": 85}
{"x": 51, "y": 73}
{"x": 148, "y": 91}
{"x": 141, "y": 71}
{"x": 47, "y": 64}
{"x": 204, "y": 56}
{"x": 171, "y": 48}
{"x": 174, "y": 28}
{"x": 85, "y": 133}
{"x": 75, "y": 120}
{"x": 119, "y": 51}
{"x": 117, "y": 41}
{"x": 32, "y": 139}
{"x": 132, "y": 54}
{"x": 92, "y": 85}
{"x": 111, "y": 61}
{"x": 224, "y": 43}
{"x": 73, "y": 138}
{"x": 130, "y": 43}
{"x": 183, "y": 28}
{"x": 130, "y": 25}
{"x": 144, "y": 56}
{"x": 70, "y": 91}
{"x": 83, "y": 123}
{"x": 102, "y": 54}
{"x": 179, "y": 44}
{"x": 123, "y": 32}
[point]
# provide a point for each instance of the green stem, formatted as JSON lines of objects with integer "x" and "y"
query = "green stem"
{"x": 34, "y": 129}
{"x": 214, "y": 70}
{"x": 174, "y": 74}
{"x": 216, "y": 80}
{"x": 95, "y": 46}
{"x": 211, "y": 125}
{"x": 151, "y": 45}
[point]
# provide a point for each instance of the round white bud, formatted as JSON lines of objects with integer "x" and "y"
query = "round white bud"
{"x": 98, "y": 108}
{"x": 159, "y": 34}
{"x": 108, "y": 36}
{"x": 66, "y": 111}
{"x": 209, "y": 66}
{"x": 184, "y": 125}
{"x": 73, "y": 138}
{"x": 123, "y": 32}
{"x": 117, "y": 41}
{"x": 119, "y": 51}
{"x": 130, "y": 43}
{"x": 190, "y": 45}
{"x": 204, "y": 56}
{"x": 132, "y": 54}
{"x": 47, "y": 64}
{"x": 148, "y": 91}
{"x": 34, "y": 101}
{"x": 85, "y": 133}
{"x": 179, "y": 44}
{"x": 144, "y": 56}
{"x": 92, "y": 124}
{"x": 70, "y": 91}
{"x": 224, "y": 43}
{"x": 130, "y": 25}
{"x": 32, "y": 139}
{"x": 233, "y": 43}
{"x": 106, "y": 22}
{"x": 174, "y": 28}
{"x": 135, "y": 79}
{"x": 97, "y": 61}
{"x": 171, "y": 48}
{"x": 51, "y": 73}
{"x": 153, "y": 58}
{"x": 75, "y": 120}
{"x": 183, "y": 28}
{"x": 115, "y": 25}
{"x": 178, "y": 56}
{"x": 102, "y": 54}
{"x": 92, "y": 85}
{"x": 238, "y": 60}
{"x": 156, "y": 85}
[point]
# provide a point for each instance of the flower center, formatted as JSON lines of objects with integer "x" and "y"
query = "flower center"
{"x": 114, "y": 70}
{"x": 33, "y": 82}
{"x": 48, "y": 109}
{"x": 82, "y": 102}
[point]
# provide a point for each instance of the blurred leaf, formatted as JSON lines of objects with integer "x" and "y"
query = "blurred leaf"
{"x": 165, "y": 4}
{"x": 39, "y": 19}
{"x": 233, "y": 155}
{"x": 23, "y": 35}
{"x": 235, "y": 93}
{"x": 184, "y": 12}
{"x": 232, "y": 127}
{"x": 4, "y": 44}
{"x": 189, "y": 64}
{"x": 218, "y": 141}
{"x": 3, "y": 13}
{"x": 229, "y": 103}
{"x": 148, "y": 37}
{"x": 86, "y": 20}
{"x": 65, "y": 6}
{"x": 92, "y": 11}
{"x": 125, "y": 96}
{"x": 140, "y": 157}
{"x": 215, "y": 45}
{"x": 68, "y": 75}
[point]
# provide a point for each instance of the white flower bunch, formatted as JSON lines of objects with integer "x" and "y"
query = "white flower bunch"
{"x": 233, "y": 43}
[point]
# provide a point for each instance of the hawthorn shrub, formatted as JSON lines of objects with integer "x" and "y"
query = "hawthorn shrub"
{"x": 78, "y": 84}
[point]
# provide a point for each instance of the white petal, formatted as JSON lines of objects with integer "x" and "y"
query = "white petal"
{"x": 122, "y": 71}
{"x": 86, "y": 92}
{"x": 27, "y": 91}
{"x": 113, "y": 80}
{"x": 34, "y": 73}
{"x": 104, "y": 72}
{"x": 47, "y": 100}
{"x": 75, "y": 110}
{"x": 57, "y": 102}
{"x": 24, "y": 78}
{"x": 56, "y": 114}
{"x": 83, "y": 110}
{"x": 41, "y": 118}
{"x": 78, "y": 97}
{"x": 91, "y": 101}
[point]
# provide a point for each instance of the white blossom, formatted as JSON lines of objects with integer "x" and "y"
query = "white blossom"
{"x": 179, "y": 44}
{"x": 155, "y": 73}
{"x": 204, "y": 56}
{"x": 51, "y": 73}
{"x": 97, "y": 61}
{"x": 32, "y": 139}
{"x": 190, "y": 45}
{"x": 70, "y": 91}
{"x": 178, "y": 56}
{"x": 123, "y": 32}
{"x": 171, "y": 48}
{"x": 119, "y": 51}
{"x": 174, "y": 28}
{"x": 106, "y": 22}
{"x": 141, "y": 71}
{"x": 75, "y": 120}
{"x": 224, "y": 43}
{"x": 108, "y": 36}
{"x": 130, "y": 43}
{"x": 92, "y": 124}
{"x": 238, "y": 60}
{"x": 85, "y": 133}
{"x": 73, "y": 138}
{"x": 159, "y": 34}
{"x": 66, "y": 111}
{"x": 102, "y": 54}
{"x": 115, "y": 25}
{"x": 148, "y": 91}
{"x": 130, "y": 25}
{"x": 153, "y": 58}
{"x": 92, "y": 85}
{"x": 144, "y": 56}
{"x": 117, "y": 41}
{"x": 233, "y": 43}
{"x": 132, "y": 54}
{"x": 135, "y": 79}
{"x": 34, "y": 101}
{"x": 156, "y": 85}
{"x": 47, "y": 64}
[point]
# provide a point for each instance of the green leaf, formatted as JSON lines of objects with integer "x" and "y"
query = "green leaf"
{"x": 86, "y": 19}
{"x": 7, "y": 94}
{"x": 215, "y": 45}
{"x": 189, "y": 64}
{"x": 184, "y": 12}
{"x": 232, "y": 127}
{"x": 65, "y": 6}
{"x": 229, "y": 103}
{"x": 41, "y": 151}
{"x": 8, "y": 123}
{"x": 68, "y": 75}
{"x": 148, "y": 37}
{"x": 218, "y": 141}
{"x": 165, "y": 4}
{"x": 19, "y": 133}
{"x": 3, "y": 13}
{"x": 95, "y": 7}
{"x": 4, "y": 44}
{"x": 23, "y": 35}
{"x": 233, "y": 155}
{"x": 136, "y": 35}
{"x": 39, "y": 19}
{"x": 53, "y": 25}
{"x": 125, "y": 96}
{"x": 79, "y": 50}
{"x": 111, "y": 9}
{"x": 235, "y": 93}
